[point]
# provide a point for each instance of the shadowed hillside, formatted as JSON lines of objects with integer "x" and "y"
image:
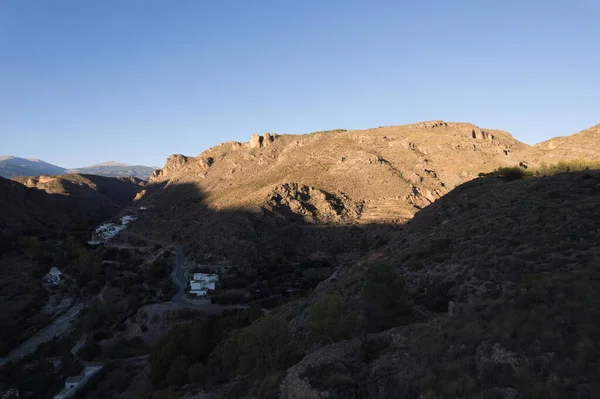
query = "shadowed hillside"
{"x": 47, "y": 203}
{"x": 494, "y": 294}
{"x": 343, "y": 178}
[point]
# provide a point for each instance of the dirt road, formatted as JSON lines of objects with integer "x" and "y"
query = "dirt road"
{"x": 59, "y": 326}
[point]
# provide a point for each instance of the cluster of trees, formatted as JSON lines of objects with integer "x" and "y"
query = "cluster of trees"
{"x": 181, "y": 356}
{"x": 249, "y": 344}
{"x": 260, "y": 349}
{"x": 517, "y": 172}
{"x": 69, "y": 255}
{"x": 383, "y": 305}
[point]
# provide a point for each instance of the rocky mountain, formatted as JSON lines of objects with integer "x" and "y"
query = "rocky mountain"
{"x": 502, "y": 278}
{"x": 494, "y": 284}
{"x": 15, "y": 167}
{"x": 354, "y": 178}
{"x": 116, "y": 169}
{"x": 46, "y": 203}
{"x": 582, "y": 145}
{"x": 388, "y": 267}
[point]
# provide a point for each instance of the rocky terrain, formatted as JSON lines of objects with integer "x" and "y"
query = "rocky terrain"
{"x": 503, "y": 280}
{"x": 386, "y": 262}
{"x": 582, "y": 145}
{"x": 234, "y": 195}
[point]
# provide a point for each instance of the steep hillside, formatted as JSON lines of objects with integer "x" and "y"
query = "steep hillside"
{"x": 503, "y": 279}
{"x": 24, "y": 209}
{"x": 45, "y": 203}
{"x": 582, "y": 145}
{"x": 14, "y": 167}
{"x": 376, "y": 176}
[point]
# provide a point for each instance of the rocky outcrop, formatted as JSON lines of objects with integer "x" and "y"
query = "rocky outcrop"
{"x": 303, "y": 203}
{"x": 420, "y": 198}
{"x": 477, "y": 133}
{"x": 174, "y": 163}
{"x": 256, "y": 141}
{"x": 428, "y": 124}
{"x": 268, "y": 139}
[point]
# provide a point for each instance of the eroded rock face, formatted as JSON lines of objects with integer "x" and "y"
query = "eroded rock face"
{"x": 300, "y": 202}
{"x": 481, "y": 134}
{"x": 429, "y": 124}
{"x": 268, "y": 139}
{"x": 174, "y": 163}
{"x": 256, "y": 141}
{"x": 420, "y": 198}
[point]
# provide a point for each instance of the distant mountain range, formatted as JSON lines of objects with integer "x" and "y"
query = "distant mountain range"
{"x": 14, "y": 167}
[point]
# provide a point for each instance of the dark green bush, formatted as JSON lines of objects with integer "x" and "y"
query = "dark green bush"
{"x": 330, "y": 321}
{"x": 260, "y": 349}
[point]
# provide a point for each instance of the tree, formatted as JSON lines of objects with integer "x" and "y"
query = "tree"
{"x": 197, "y": 373}
{"x": 261, "y": 348}
{"x": 330, "y": 321}
{"x": 178, "y": 372}
{"x": 32, "y": 247}
{"x": 385, "y": 303}
{"x": 156, "y": 272}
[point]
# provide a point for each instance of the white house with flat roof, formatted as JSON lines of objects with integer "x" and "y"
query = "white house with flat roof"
{"x": 201, "y": 283}
{"x": 209, "y": 278}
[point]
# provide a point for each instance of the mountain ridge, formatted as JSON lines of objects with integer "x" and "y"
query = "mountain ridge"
{"x": 11, "y": 166}
{"x": 343, "y": 178}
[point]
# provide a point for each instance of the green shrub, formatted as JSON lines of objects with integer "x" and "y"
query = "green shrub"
{"x": 330, "y": 321}
{"x": 385, "y": 303}
{"x": 260, "y": 349}
{"x": 510, "y": 173}
{"x": 516, "y": 172}
{"x": 178, "y": 372}
{"x": 197, "y": 373}
{"x": 566, "y": 167}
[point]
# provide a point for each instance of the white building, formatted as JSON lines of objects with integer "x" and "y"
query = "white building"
{"x": 209, "y": 278}
{"x": 54, "y": 275}
{"x": 73, "y": 384}
{"x": 201, "y": 283}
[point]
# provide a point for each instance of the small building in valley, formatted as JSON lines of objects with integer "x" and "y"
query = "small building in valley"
{"x": 54, "y": 276}
{"x": 201, "y": 283}
{"x": 75, "y": 383}
{"x": 209, "y": 278}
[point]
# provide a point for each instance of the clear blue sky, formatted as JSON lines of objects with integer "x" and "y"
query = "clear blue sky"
{"x": 83, "y": 82}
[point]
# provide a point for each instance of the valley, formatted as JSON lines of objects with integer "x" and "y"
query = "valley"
{"x": 349, "y": 263}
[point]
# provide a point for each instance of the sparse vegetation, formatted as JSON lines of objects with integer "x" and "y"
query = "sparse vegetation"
{"x": 330, "y": 321}
{"x": 517, "y": 172}
{"x": 330, "y": 131}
